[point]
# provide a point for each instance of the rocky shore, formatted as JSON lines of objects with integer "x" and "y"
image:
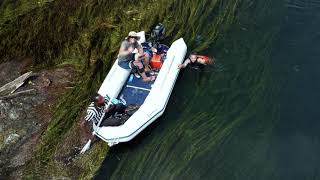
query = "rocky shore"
{"x": 24, "y": 117}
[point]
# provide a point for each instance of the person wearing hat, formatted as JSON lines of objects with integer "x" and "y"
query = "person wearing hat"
{"x": 127, "y": 59}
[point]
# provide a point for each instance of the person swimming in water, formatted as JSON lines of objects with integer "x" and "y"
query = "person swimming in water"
{"x": 196, "y": 61}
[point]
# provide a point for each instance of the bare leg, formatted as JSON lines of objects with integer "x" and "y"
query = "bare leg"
{"x": 143, "y": 74}
{"x": 147, "y": 59}
{"x": 137, "y": 62}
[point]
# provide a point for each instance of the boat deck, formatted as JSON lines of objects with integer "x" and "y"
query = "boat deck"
{"x": 135, "y": 91}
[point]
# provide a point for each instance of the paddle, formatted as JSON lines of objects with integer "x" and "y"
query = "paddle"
{"x": 86, "y": 147}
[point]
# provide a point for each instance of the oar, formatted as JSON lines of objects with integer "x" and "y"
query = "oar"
{"x": 86, "y": 147}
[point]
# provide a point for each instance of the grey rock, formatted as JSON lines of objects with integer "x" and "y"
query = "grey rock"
{"x": 12, "y": 138}
{"x": 4, "y": 105}
{"x": 15, "y": 114}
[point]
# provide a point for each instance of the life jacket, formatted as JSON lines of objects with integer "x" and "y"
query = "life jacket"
{"x": 197, "y": 65}
{"x": 156, "y": 62}
{"x": 205, "y": 58}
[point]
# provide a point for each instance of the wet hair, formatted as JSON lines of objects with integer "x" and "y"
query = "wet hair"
{"x": 193, "y": 53}
{"x": 211, "y": 60}
{"x": 94, "y": 97}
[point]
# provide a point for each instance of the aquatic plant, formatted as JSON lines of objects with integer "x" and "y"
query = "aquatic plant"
{"x": 87, "y": 34}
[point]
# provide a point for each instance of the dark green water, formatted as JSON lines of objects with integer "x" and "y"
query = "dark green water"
{"x": 254, "y": 115}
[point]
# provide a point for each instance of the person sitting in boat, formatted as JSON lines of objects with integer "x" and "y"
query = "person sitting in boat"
{"x": 196, "y": 61}
{"x": 114, "y": 115}
{"x": 155, "y": 54}
{"x": 127, "y": 59}
{"x": 98, "y": 107}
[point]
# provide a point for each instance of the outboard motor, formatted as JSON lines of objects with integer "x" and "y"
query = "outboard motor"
{"x": 156, "y": 35}
{"x": 158, "y": 32}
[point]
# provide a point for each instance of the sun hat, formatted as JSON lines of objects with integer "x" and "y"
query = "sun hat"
{"x": 133, "y": 34}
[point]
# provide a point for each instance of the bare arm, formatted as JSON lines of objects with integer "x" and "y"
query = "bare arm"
{"x": 110, "y": 108}
{"x": 124, "y": 52}
{"x": 84, "y": 126}
{"x": 140, "y": 49}
{"x": 185, "y": 64}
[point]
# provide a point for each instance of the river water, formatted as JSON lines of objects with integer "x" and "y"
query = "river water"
{"x": 254, "y": 115}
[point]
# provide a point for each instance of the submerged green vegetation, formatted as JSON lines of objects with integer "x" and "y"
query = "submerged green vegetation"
{"x": 219, "y": 124}
{"x": 87, "y": 34}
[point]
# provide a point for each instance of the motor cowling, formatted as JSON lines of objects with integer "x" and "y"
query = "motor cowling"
{"x": 158, "y": 32}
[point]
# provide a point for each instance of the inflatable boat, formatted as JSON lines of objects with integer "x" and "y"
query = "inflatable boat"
{"x": 151, "y": 96}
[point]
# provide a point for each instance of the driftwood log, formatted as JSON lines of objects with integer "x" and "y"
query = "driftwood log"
{"x": 25, "y": 92}
{"x": 12, "y": 86}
